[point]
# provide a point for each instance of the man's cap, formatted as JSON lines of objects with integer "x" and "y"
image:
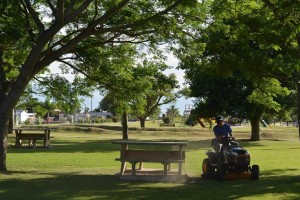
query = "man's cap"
{"x": 219, "y": 119}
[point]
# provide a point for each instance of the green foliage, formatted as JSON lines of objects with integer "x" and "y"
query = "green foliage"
{"x": 265, "y": 94}
{"x": 28, "y": 121}
{"x": 173, "y": 112}
{"x": 49, "y": 31}
{"x": 141, "y": 94}
{"x": 232, "y": 66}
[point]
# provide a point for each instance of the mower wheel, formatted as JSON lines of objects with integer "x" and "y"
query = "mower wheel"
{"x": 255, "y": 172}
{"x": 207, "y": 167}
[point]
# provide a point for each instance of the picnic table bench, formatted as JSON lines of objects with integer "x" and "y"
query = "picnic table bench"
{"x": 32, "y": 135}
{"x": 166, "y": 157}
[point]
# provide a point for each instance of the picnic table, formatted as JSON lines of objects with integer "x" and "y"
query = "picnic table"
{"x": 166, "y": 157}
{"x": 32, "y": 135}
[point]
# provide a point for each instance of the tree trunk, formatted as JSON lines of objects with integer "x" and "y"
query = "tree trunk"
{"x": 8, "y": 100}
{"x": 11, "y": 123}
{"x": 298, "y": 102}
{"x": 3, "y": 151}
{"x": 124, "y": 125}
{"x": 142, "y": 121}
{"x": 4, "y": 121}
{"x": 255, "y": 128}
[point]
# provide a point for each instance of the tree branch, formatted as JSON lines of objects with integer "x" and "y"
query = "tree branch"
{"x": 70, "y": 7}
{"x": 54, "y": 11}
{"x": 91, "y": 29}
{"x": 99, "y": 81}
{"x": 27, "y": 21}
{"x": 72, "y": 15}
{"x": 60, "y": 11}
{"x": 111, "y": 12}
{"x": 153, "y": 17}
{"x": 34, "y": 16}
{"x": 140, "y": 22}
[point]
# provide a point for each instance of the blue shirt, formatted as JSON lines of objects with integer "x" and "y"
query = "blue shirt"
{"x": 223, "y": 130}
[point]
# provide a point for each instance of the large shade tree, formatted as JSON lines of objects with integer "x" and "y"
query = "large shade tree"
{"x": 236, "y": 97}
{"x": 247, "y": 37}
{"x": 287, "y": 16}
{"x": 36, "y": 33}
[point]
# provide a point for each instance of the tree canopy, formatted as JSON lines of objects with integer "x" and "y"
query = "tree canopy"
{"x": 34, "y": 34}
{"x": 243, "y": 41}
{"x": 147, "y": 89}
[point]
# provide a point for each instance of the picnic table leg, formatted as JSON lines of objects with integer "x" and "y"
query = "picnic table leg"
{"x": 169, "y": 166}
{"x": 123, "y": 167}
{"x": 133, "y": 167}
{"x": 122, "y": 155}
{"x": 165, "y": 169}
{"x": 47, "y": 138}
{"x": 34, "y": 143}
{"x": 180, "y": 169}
{"x": 141, "y": 166}
{"x": 30, "y": 143}
{"x": 18, "y": 142}
{"x": 181, "y": 158}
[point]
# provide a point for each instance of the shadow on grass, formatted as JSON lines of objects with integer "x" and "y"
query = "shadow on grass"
{"x": 93, "y": 146}
{"x": 206, "y": 144}
{"x": 77, "y": 186}
{"x": 70, "y": 147}
{"x": 107, "y": 127}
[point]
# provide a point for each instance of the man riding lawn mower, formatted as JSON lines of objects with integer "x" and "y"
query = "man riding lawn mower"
{"x": 228, "y": 160}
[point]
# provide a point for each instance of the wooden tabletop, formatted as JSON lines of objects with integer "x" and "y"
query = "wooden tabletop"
{"x": 31, "y": 129}
{"x": 135, "y": 142}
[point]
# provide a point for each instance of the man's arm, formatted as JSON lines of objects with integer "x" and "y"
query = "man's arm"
{"x": 230, "y": 131}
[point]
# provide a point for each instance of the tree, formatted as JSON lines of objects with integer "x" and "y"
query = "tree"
{"x": 244, "y": 37}
{"x": 160, "y": 91}
{"x": 34, "y": 34}
{"x": 287, "y": 15}
{"x": 234, "y": 96}
{"x": 173, "y": 112}
{"x": 65, "y": 93}
{"x": 48, "y": 106}
{"x": 106, "y": 104}
{"x": 146, "y": 90}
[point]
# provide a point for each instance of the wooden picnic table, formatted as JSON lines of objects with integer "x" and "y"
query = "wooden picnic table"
{"x": 166, "y": 157}
{"x": 32, "y": 134}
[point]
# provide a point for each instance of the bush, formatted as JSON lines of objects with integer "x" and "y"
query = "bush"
{"x": 29, "y": 121}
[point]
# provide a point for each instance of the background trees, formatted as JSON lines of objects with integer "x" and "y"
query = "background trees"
{"x": 259, "y": 39}
{"x": 243, "y": 41}
{"x": 172, "y": 112}
{"x": 145, "y": 89}
{"x": 48, "y": 31}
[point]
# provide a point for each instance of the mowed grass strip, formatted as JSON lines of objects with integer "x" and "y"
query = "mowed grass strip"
{"x": 82, "y": 166}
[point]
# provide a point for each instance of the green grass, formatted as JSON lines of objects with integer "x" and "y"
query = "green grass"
{"x": 81, "y": 165}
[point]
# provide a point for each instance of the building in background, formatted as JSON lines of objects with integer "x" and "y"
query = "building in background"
{"x": 21, "y": 116}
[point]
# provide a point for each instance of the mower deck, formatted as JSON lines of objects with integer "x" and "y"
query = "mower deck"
{"x": 234, "y": 175}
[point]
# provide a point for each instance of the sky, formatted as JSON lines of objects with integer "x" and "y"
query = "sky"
{"x": 180, "y": 104}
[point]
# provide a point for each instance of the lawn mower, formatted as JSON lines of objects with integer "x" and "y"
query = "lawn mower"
{"x": 231, "y": 162}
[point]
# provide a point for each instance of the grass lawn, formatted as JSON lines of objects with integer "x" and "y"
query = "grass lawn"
{"x": 81, "y": 165}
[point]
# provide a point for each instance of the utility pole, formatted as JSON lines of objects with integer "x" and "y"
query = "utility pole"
{"x": 91, "y": 103}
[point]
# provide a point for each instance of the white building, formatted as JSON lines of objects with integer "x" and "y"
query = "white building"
{"x": 21, "y": 116}
{"x": 102, "y": 114}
